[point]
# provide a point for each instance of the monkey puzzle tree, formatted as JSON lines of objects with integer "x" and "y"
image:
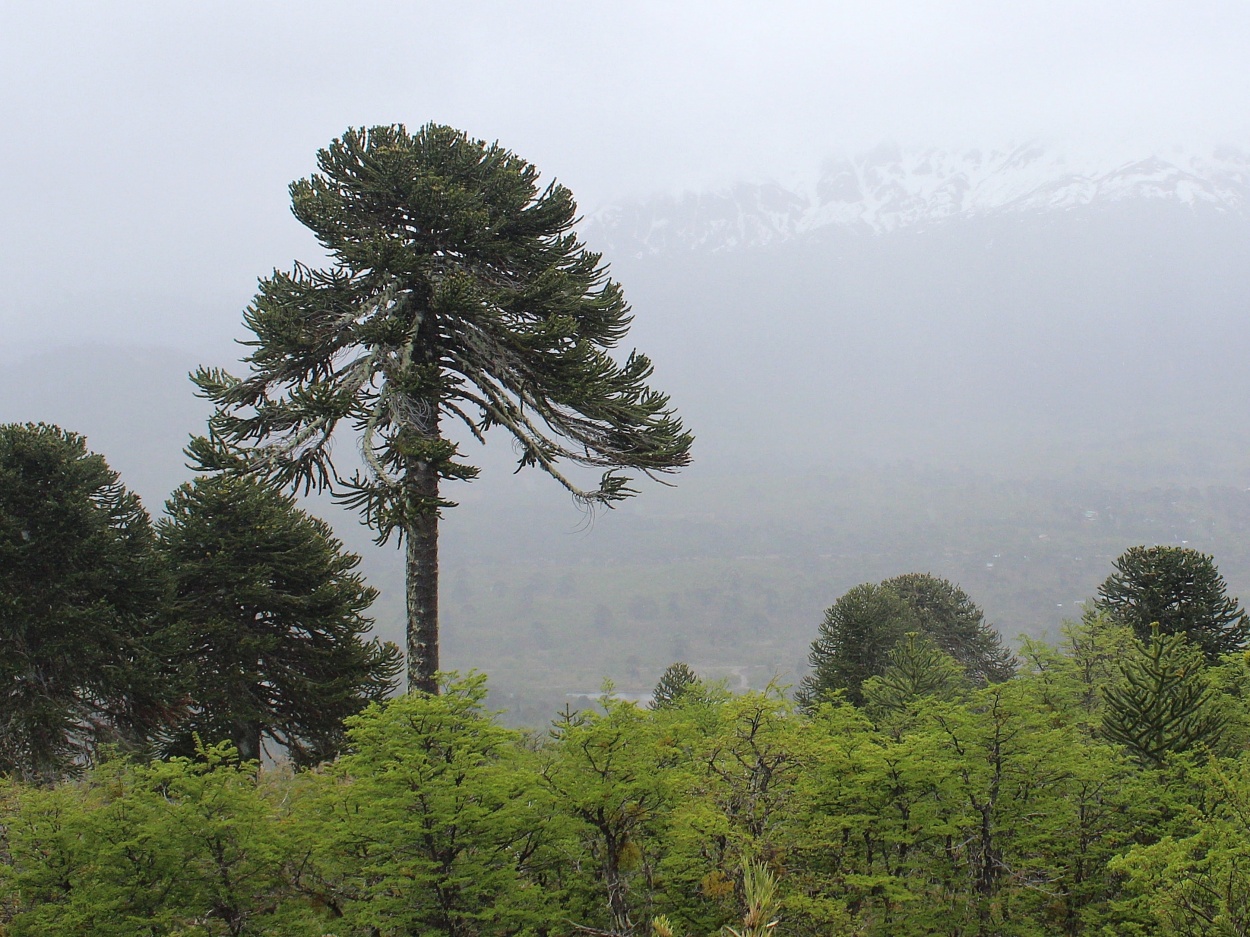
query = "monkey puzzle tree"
{"x": 957, "y": 625}
{"x": 862, "y": 627}
{"x": 80, "y": 587}
{"x": 675, "y": 683}
{"x": 457, "y": 290}
{"x": 1181, "y": 591}
{"x": 915, "y": 668}
{"x": 267, "y": 622}
{"x": 854, "y": 642}
{"x": 1164, "y": 702}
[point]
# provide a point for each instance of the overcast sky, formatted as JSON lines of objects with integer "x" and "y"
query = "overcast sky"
{"x": 149, "y": 145}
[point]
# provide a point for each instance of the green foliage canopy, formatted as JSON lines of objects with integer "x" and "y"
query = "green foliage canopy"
{"x": 1197, "y": 882}
{"x": 995, "y": 811}
{"x": 434, "y": 823}
{"x": 176, "y": 847}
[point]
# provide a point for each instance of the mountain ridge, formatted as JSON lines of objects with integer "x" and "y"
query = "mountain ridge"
{"x": 892, "y": 189}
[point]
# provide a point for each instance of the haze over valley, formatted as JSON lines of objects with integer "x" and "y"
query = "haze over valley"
{"x": 1003, "y": 393}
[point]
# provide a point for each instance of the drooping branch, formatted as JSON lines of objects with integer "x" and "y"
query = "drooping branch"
{"x": 541, "y": 450}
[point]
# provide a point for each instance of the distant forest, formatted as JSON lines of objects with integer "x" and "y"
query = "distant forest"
{"x": 729, "y": 572}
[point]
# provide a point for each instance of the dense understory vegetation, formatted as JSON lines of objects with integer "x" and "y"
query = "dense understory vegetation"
{"x": 1005, "y": 809}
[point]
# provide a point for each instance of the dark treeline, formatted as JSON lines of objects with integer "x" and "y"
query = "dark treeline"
{"x": 236, "y": 616}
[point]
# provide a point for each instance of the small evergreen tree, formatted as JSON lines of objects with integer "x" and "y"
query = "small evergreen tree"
{"x": 1164, "y": 704}
{"x": 1181, "y": 591}
{"x": 79, "y": 592}
{"x": 861, "y": 628}
{"x": 915, "y": 668}
{"x": 676, "y": 681}
{"x": 854, "y": 642}
{"x": 270, "y": 613}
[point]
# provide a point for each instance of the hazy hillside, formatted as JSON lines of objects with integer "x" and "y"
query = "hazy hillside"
{"x": 1018, "y": 343}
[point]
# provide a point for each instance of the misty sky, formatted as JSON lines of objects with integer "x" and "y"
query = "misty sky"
{"x": 149, "y": 145}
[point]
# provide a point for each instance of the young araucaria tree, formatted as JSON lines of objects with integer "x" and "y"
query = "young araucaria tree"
{"x": 457, "y": 290}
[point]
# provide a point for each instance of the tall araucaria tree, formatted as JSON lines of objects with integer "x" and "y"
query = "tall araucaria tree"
{"x": 456, "y": 291}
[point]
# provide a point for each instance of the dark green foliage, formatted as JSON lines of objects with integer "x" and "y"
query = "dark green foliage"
{"x": 854, "y": 642}
{"x": 268, "y": 618}
{"x": 79, "y": 591}
{"x": 1164, "y": 704}
{"x": 1181, "y": 591}
{"x": 862, "y": 627}
{"x": 457, "y": 289}
{"x": 957, "y": 625}
{"x": 676, "y": 681}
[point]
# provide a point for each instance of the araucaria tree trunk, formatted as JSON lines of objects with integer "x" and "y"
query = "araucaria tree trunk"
{"x": 421, "y": 576}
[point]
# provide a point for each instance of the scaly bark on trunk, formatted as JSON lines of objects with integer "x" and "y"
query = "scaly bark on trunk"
{"x": 421, "y": 577}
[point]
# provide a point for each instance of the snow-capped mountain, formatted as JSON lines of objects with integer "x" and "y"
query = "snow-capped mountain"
{"x": 890, "y": 188}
